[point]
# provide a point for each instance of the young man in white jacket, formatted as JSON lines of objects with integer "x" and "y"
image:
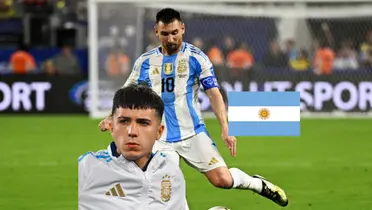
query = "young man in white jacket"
{"x": 127, "y": 175}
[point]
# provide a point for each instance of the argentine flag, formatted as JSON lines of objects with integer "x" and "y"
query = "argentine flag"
{"x": 264, "y": 113}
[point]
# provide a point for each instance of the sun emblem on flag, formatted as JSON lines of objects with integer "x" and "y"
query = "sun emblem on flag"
{"x": 264, "y": 114}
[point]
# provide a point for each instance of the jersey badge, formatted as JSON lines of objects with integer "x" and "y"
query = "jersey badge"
{"x": 168, "y": 68}
{"x": 166, "y": 189}
{"x": 181, "y": 66}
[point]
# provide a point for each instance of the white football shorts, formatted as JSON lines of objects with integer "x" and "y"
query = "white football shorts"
{"x": 199, "y": 151}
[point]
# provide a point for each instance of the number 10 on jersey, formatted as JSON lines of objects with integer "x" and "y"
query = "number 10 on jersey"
{"x": 167, "y": 84}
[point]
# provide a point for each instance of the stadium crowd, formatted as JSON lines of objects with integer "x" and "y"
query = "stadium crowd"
{"x": 230, "y": 56}
{"x": 322, "y": 58}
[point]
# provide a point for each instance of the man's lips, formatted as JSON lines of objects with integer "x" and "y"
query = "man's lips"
{"x": 131, "y": 144}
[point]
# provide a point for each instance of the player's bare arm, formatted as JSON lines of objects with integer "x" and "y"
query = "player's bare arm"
{"x": 219, "y": 110}
{"x": 104, "y": 124}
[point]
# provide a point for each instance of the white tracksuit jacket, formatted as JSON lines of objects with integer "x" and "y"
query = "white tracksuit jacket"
{"x": 110, "y": 182}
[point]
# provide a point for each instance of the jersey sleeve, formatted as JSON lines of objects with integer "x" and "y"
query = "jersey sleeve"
{"x": 83, "y": 167}
{"x": 205, "y": 71}
{"x": 137, "y": 75}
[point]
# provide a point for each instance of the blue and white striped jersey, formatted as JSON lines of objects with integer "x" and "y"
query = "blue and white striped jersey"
{"x": 177, "y": 80}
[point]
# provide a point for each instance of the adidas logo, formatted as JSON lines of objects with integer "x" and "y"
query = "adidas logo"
{"x": 116, "y": 191}
{"x": 213, "y": 161}
{"x": 155, "y": 71}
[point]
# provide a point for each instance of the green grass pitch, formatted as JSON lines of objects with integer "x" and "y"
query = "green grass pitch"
{"x": 328, "y": 168}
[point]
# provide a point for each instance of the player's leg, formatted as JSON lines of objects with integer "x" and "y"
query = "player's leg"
{"x": 202, "y": 154}
{"x": 171, "y": 154}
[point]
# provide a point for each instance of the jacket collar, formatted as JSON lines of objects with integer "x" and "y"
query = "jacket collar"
{"x": 156, "y": 160}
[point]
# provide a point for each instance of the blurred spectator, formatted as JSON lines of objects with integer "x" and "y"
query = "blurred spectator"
{"x": 324, "y": 58}
{"x": 117, "y": 63}
{"x": 275, "y": 57}
{"x": 198, "y": 42}
{"x": 366, "y": 51}
{"x": 22, "y": 62}
{"x": 60, "y": 4}
{"x": 65, "y": 63}
{"x": 240, "y": 58}
{"x": 301, "y": 62}
{"x": 6, "y": 8}
{"x": 215, "y": 54}
{"x": 153, "y": 41}
{"x": 346, "y": 58}
{"x": 291, "y": 50}
{"x": 228, "y": 45}
{"x": 238, "y": 62}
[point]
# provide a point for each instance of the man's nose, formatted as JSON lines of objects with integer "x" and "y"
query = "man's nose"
{"x": 133, "y": 130}
{"x": 170, "y": 38}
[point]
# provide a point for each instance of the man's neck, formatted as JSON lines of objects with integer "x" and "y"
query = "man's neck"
{"x": 169, "y": 54}
{"x": 143, "y": 162}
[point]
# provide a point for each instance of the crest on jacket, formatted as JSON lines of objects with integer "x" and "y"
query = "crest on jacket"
{"x": 166, "y": 189}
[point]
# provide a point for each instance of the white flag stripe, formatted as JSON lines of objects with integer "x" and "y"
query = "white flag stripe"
{"x": 276, "y": 113}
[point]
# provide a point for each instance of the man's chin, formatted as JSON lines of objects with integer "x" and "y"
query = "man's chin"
{"x": 171, "y": 50}
{"x": 132, "y": 155}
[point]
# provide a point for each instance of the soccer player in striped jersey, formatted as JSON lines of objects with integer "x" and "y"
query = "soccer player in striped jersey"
{"x": 175, "y": 71}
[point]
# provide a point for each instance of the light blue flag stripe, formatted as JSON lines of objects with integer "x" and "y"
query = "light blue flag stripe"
{"x": 264, "y": 129}
{"x": 264, "y": 98}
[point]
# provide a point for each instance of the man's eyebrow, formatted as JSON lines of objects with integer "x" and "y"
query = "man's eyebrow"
{"x": 169, "y": 31}
{"x": 122, "y": 117}
{"x": 144, "y": 119}
{"x": 138, "y": 119}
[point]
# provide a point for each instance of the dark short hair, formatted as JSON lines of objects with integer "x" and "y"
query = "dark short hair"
{"x": 168, "y": 15}
{"x": 138, "y": 97}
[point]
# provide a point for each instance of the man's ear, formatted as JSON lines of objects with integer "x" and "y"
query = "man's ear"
{"x": 183, "y": 28}
{"x": 156, "y": 31}
{"x": 160, "y": 131}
